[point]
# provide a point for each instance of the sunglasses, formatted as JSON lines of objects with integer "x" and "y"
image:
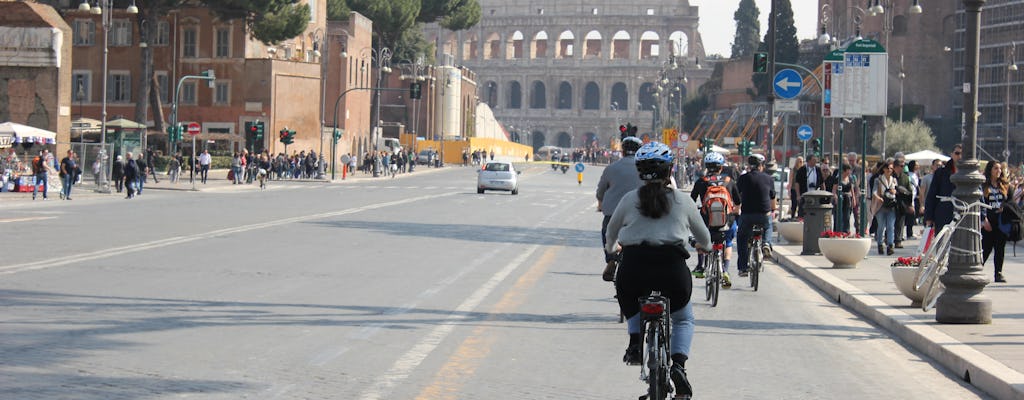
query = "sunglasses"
{"x": 956, "y": 153}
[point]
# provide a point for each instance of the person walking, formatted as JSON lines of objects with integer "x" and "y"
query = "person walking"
{"x": 173, "y": 168}
{"x": 68, "y": 172}
{"x": 150, "y": 162}
{"x": 846, "y": 186}
{"x": 40, "y": 173}
{"x": 995, "y": 192}
{"x": 939, "y": 213}
{"x": 143, "y": 173}
{"x": 204, "y": 165}
{"x": 117, "y": 173}
{"x": 794, "y": 193}
{"x": 131, "y": 175}
{"x": 886, "y": 205}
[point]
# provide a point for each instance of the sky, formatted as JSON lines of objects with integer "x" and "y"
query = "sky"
{"x": 717, "y": 27}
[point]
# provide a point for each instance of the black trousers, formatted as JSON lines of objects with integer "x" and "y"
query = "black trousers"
{"x": 648, "y": 268}
{"x": 993, "y": 240}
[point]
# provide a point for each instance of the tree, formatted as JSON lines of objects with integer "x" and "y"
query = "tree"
{"x": 337, "y": 10}
{"x": 906, "y": 137}
{"x": 787, "y": 47}
{"x": 747, "y": 29}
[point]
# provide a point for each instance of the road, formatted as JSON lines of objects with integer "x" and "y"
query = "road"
{"x": 406, "y": 288}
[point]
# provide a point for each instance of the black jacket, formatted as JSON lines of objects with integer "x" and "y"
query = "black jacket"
{"x": 939, "y": 212}
{"x": 801, "y": 179}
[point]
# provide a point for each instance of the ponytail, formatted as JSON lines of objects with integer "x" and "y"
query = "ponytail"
{"x": 654, "y": 198}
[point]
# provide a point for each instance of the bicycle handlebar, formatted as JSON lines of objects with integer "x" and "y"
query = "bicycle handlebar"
{"x": 961, "y": 205}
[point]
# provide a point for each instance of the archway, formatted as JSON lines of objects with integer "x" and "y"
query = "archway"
{"x": 538, "y": 96}
{"x": 620, "y": 45}
{"x": 620, "y": 96}
{"x": 591, "y": 96}
{"x": 565, "y": 44}
{"x": 590, "y": 139}
{"x": 537, "y": 140}
{"x": 646, "y": 97}
{"x": 491, "y": 94}
{"x": 539, "y": 45}
{"x": 515, "y": 95}
{"x": 564, "y": 96}
{"x": 564, "y": 140}
{"x": 649, "y": 45}
{"x": 592, "y": 45}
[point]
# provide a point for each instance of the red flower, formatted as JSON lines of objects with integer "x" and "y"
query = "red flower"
{"x": 839, "y": 235}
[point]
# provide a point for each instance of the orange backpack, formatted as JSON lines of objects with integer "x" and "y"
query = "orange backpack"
{"x": 717, "y": 202}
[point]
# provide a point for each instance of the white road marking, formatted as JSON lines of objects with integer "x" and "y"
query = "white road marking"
{"x": 24, "y": 219}
{"x": 134, "y": 248}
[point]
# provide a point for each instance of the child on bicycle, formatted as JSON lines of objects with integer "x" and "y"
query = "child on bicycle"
{"x": 721, "y": 233}
{"x": 651, "y": 225}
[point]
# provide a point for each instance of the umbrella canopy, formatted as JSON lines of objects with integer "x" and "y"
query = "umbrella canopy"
{"x": 125, "y": 124}
{"x": 720, "y": 149}
{"x": 925, "y": 155}
{"x": 27, "y": 134}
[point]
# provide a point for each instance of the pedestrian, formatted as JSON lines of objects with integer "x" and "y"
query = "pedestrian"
{"x": 140, "y": 181}
{"x": 40, "y": 173}
{"x": 204, "y": 165}
{"x": 794, "y": 198}
{"x": 995, "y": 191}
{"x": 236, "y": 168}
{"x": 938, "y": 213}
{"x": 846, "y": 186}
{"x": 68, "y": 174}
{"x": 117, "y": 173}
{"x": 131, "y": 175}
{"x": 173, "y": 169}
{"x": 886, "y": 205}
{"x": 352, "y": 162}
{"x": 905, "y": 197}
{"x": 915, "y": 204}
{"x": 150, "y": 162}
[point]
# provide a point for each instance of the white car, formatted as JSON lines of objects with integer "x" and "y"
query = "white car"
{"x": 497, "y": 175}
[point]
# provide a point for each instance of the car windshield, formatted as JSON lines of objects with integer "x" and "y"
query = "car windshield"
{"x": 496, "y": 167}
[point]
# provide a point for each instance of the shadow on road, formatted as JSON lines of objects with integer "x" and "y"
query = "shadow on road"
{"x": 477, "y": 233}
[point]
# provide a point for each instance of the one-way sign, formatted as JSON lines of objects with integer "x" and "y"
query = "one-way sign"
{"x": 787, "y": 84}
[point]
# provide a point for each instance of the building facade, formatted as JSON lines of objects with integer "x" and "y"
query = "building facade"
{"x": 568, "y": 74}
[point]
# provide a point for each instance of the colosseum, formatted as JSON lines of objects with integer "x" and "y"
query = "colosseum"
{"x": 568, "y": 73}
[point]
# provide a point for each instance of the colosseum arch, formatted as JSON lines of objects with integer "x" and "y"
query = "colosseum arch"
{"x": 649, "y": 45}
{"x": 514, "y": 49}
{"x": 537, "y": 140}
{"x": 491, "y": 94}
{"x": 566, "y": 41}
{"x": 590, "y": 139}
{"x": 620, "y": 95}
{"x": 538, "y": 95}
{"x": 591, "y": 96}
{"x": 450, "y": 45}
{"x": 515, "y": 95}
{"x": 539, "y": 45}
{"x": 564, "y": 140}
{"x": 564, "y": 96}
{"x": 592, "y": 45}
{"x": 470, "y": 44}
{"x": 646, "y": 97}
{"x": 680, "y": 43}
{"x": 492, "y": 49}
{"x": 620, "y": 46}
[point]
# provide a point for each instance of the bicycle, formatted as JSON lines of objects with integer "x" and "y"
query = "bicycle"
{"x": 935, "y": 259}
{"x": 713, "y": 273}
{"x": 656, "y": 333}
{"x": 262, "y": 174}
{"x": 755, "y": 260}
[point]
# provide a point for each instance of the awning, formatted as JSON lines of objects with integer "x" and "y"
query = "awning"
{"x": 125, "y": 124}
{"x": 926, "y": 155}
{"x": 26, "y": 134}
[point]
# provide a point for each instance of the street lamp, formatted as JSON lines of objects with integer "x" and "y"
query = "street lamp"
{"x": 319, "y": 41}
{"x": 105, "y": 20}
{"x": 903, "y": 75}
{"x": 1006, "y": 117}
{"x": 380, "y": 57}
{"x": 415, "y": 75}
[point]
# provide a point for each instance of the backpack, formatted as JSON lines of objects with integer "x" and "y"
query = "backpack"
{"x": 1010, "y": 221}
{"x": 717, "y": 204}
{"x": 37, "y": 165}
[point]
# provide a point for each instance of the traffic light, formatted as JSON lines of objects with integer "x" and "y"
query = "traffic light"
{"x": 259, "y": 130}
{"x": 283, "y": 136}
{"x": 415, "y": 90}
{"x": 250, "y": 128}
{"x": 816, "y": 147}
{"x": 337, "y": 134}
{"x": 172, "y": 135}
{"x": 760, "y": 63}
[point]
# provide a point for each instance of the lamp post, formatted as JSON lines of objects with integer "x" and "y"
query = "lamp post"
{"x": 444, "y": 109}
{"x": 105, "y": 20}
{"x": 1006, "y": 114}
{"x": 963, "y": 301}
{"x": 380, "y": 57}
{"x": 319, "y": 40}
{"x": 903, "y": 75}
{"x": 415, "y": 75}
{"x": 879, "y": 9}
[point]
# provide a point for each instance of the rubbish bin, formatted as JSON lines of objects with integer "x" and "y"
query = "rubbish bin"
{"x": 817, "y": 216}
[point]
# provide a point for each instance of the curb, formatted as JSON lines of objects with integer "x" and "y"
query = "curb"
{"x": 974, "y": 367}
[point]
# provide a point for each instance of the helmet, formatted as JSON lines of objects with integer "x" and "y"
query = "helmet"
{"x": 714, "y": 160}
{"x": 630, "y": 144}
{"x": 755, "y": 159}
{"x": 654, "y": 161}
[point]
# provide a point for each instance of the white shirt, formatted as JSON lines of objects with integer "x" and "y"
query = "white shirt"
{"x": 205, "y": 159}
{"x": 812, "y": 178}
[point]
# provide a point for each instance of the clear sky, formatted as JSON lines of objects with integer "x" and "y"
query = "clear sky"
{"x": 718, "y": 28}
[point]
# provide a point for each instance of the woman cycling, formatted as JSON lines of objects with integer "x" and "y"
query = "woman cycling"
{"x": 652, "y": 225}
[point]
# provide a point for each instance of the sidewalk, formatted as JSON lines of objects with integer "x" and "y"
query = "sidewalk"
{"x": 990, "y": 357}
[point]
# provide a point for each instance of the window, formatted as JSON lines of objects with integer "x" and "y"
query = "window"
{"x": 164, "y": 82}
{"x": 120, "y": 33}
{"x": 222, "y": 93}
{"x": 163, "y": 34}
{"x": 188, "y": 43}
{"x": 650, "y": 11}
{"x": 80, "y": 86}
{"x": 188, "y": 93}
{"x": 593, "y": 11}
{"x": 223, "y": 43}
{"x": 119, "y": 88}
{"x": 84, "y": 33}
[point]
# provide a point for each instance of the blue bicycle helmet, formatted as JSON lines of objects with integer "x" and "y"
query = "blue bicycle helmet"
{"x": 714, "y": 161}
{"x": 654, "y": 161}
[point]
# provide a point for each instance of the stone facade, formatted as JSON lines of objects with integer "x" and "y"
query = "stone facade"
{"x": 568, "y": 74}
{"x": 35, "y": 73}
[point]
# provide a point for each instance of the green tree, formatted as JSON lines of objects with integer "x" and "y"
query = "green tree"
{"x": 787, "y": 47}
{"x": 747, "y": 29}
{"x": 337, "y": 10}
{"x": 906, "y": 137}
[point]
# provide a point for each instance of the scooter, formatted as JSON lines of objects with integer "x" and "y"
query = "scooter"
{"x": 565, "y": 167}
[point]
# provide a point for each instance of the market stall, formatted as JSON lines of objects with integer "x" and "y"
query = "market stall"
{"x": 15, "y": 172}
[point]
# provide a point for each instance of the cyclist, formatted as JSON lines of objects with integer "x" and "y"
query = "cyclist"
{"x": 651, "y": 224}
{"x": 756, "y": 203}
{"x": 619, "y": 178}
{"x": 715, "y": 176}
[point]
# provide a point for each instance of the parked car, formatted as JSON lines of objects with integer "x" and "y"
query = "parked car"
{"x": 497, "y": 175}
{"x": 423, "y": 157}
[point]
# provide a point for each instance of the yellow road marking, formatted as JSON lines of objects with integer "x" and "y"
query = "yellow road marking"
{"x": 24, "y": 219}
{"x": 474, "y": 349}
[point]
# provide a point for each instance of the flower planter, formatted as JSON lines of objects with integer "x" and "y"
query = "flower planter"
{"x": 793, "y": 232}
{"x": 844, "y": 252}
{"x": 903, "y": 277}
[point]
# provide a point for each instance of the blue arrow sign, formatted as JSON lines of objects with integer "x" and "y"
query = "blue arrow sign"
{"x": 787, "y": 84}
{"x": 579, "y": 167}
{"x": 804, "y": 132}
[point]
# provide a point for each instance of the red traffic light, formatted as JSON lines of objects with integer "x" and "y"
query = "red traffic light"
{"x": 622, "y": 128}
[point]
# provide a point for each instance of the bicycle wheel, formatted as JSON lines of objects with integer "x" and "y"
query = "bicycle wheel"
{"x": 657, "y": 362}
{"x": 754, "y": 266}
{"x": 716, "y": 283}
{"x": 936, "y": 257}
{"x": 709, "y": 276}
{"x": 934, "y": 289}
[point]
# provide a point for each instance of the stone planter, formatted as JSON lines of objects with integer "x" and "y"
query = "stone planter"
{"x": 844, "y": 252}
{"x": 793, "y": 232}
{"x": 903, "y": 277}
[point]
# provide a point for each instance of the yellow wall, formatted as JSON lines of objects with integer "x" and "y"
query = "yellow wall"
{"x": 453, "y": 148}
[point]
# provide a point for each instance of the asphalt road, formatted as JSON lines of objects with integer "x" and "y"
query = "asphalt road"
{"x": 407, "y": 288}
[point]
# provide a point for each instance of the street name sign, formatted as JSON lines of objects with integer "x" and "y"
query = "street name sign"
{"x": 787, "y": 84}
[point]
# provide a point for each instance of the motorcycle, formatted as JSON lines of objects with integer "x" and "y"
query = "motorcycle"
{"x": 564, "y": 168}
{"x": 565, "y": 164}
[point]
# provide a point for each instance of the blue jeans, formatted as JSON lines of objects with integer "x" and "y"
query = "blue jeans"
{"x": 40, "y": 178}
{"x": 886, "y": 218}
{"x": 67, "y": 181}
{"x": 682, "y": 328}
{"x": 139, "y": 183}
{"x": 747, "y": 222}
